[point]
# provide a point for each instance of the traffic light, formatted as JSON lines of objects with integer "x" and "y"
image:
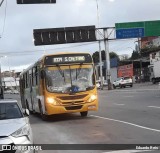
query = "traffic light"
{"x": 64, "y": 35}
{"x": 35, "y": 1}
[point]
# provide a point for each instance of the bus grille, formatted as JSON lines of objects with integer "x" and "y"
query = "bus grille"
{"x": 73, "y": 107}
{"x": 72, "y": 103}
{"x": 72, "y": 97}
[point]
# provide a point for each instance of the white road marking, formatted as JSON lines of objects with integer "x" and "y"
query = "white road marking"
{"x": 128, "y": 96}
{"x": 142, "y": 127}
{"x": 154, "y": 106}
{"x": 135, "y": 90}
{"x": 119, "y": 104}
{"x": 126, "y": 151}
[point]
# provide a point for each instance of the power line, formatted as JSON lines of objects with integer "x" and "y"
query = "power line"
{"x": 29, "y": 52}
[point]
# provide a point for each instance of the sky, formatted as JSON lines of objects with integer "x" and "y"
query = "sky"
{"x": 17, "y": 50}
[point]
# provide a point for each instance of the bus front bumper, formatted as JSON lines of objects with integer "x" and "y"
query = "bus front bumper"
{"x": 52, "y": 109}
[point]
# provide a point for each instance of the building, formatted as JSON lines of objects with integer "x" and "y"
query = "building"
{"x": 10, "y": 83}
{"x": 113, "y": 64}
{"x": 10, "y": 80}
{"x": 123, "y": 57}
{"x": 155, "y": 56}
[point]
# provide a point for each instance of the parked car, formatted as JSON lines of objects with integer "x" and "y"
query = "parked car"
{"x": 123, "y": 82}
{"x": 105, "y": 83}
{"x": 14, "y": 124}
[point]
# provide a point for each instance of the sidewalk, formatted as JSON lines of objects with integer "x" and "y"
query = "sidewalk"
{"x": 138, "y": 87}
{"x": 146, "y": 85}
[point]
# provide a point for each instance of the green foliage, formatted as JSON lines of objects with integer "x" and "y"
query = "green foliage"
{"x": 113, "y": 55}
{"x": 95, "y": 56}
{"x": 135, "y": 55}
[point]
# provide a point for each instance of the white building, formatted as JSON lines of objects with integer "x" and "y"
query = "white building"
{"x": 10, "y": 83}
{"x": 154, "y": 57}
{"x": 123, "y": 57}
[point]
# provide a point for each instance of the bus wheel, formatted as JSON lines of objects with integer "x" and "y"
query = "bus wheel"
{"x": 84, "y": 114}
{"x": 43, "y": 116}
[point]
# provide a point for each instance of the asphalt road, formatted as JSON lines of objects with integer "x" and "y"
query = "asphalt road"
{"x": 125, "y": 116}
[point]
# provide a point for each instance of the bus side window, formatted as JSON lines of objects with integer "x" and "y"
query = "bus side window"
{"x": 23, "y": 82}
{"x": 32, "y": 75}
{"x": 27, "y": 80}
{"x": 36, "y": 76}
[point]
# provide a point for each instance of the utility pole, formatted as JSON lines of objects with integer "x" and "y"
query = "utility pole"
{"x": 1, "y": 3}
{"x": 100, "y": 64}
{"x": 108, "y": 73}
{"x": 1, "y": 85}
{"x": 141, "y": 72}
{"x": 100, "y": 55}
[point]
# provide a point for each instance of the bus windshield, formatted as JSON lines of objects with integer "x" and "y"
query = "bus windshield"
{"x": 69, "y": 79}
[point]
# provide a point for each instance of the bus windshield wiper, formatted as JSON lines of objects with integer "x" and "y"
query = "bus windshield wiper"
{"x": 89, "y": 88}
{"x": 77, "y": 73}
{"x": 61, "y": 71}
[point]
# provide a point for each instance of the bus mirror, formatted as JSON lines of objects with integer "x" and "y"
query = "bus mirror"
{"x": 43, "y": 74}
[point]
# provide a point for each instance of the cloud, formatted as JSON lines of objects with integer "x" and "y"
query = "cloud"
{"x": 22, "y": 19}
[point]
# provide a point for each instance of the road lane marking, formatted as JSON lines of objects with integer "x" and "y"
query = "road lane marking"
{"x": 119, "y": 104}
{"x": 135, "y": 90}
{"x": 136, "y": 125}
{"x": 153, "y": 106}
{"x": 128, "y": 96}
{"x": 126, "y": 151}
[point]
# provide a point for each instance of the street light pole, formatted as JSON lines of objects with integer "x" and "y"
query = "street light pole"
{"x": 141, "y": 72}
{"x": 99, "y": 42}
{"x": 108, "y": 68}
{"x": 1, "y": 87}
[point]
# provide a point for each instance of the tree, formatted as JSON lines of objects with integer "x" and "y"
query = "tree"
{"x": 95, "y": 56}
{"x": 113, "y": 55}
{"x": 135, "y": 55}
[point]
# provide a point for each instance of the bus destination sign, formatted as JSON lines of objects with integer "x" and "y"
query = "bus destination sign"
{"x": 68, "y": 58}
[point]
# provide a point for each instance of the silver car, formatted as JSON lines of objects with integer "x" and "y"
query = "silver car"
{"x": 14, "y": 125}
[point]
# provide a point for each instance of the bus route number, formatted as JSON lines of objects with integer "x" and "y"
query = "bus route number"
{"x": 69, "y": 59}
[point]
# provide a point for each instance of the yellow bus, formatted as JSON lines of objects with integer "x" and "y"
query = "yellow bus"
{"x": 60, "y": 83}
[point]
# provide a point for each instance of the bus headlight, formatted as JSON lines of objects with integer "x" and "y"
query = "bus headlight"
{"x": 92, "y": 98}
{"x": 51, "y": 100}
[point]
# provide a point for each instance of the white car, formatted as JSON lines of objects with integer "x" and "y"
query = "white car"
{"x": 123, "y": 82}
{"x": 15, "y": 128}
{"x": 105, "y": 83}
